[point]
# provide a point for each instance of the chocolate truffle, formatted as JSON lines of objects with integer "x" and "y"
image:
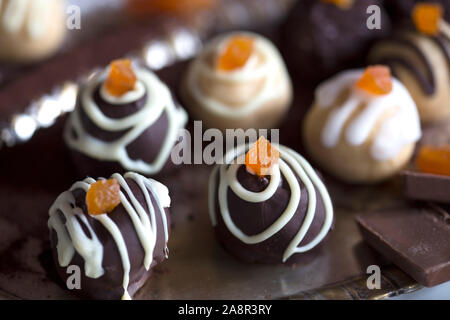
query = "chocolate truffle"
{"x": 238, "y": 81}
{"x": 357, "y": 136}
{"x": 422, "y": 63}
{"x": 320, "y": 38}
{"x": 116, "y": 129}
{"x": 277, "y": 216}
{"x": 114, "y": 250}
{"x": 31, "y": 30}
{"x": 401, "y": 11}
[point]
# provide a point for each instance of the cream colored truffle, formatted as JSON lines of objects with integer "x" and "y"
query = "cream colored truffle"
{"x": 422, "y": 64}
{"x": 358, "y": 137}
{"x": 257, "y": 95}
{"x": 30, "y": 30}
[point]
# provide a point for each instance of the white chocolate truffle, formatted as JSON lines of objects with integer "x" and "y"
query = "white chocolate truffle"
{"x": 358, "y": 137}
{"x": 422, "y": 64}
{"x": 256, "y": 95}
{"x": 30, "y": 30}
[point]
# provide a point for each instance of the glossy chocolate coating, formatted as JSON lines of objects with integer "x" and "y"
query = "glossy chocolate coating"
{"x": 253, "y": 218}
{"x": 319, "y": 39}
{"x": 401, "y": 10}
{"x": 146, "y": 147}
{"x": 109, "y": 286}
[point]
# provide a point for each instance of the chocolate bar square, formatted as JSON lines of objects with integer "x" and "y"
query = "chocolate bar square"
{"x": 416, "y": 239}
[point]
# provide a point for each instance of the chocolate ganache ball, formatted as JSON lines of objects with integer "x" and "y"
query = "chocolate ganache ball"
{"x": 271, "y": 215}
{"x": 401, "y": 11}
{"x": 114, "y": 230}
{"x": 320, "y": 38}
{"x": 125, "y": 119}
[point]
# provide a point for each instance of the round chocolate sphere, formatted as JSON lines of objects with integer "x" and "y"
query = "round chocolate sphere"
{"x": 319, "y": 39}
{"x": 131, "y": 132}
{"x": 276, "y": 218}
{"x": 401, "y": 11}
{"x": 116, "y": 250}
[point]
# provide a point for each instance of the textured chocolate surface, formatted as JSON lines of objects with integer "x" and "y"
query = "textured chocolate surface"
{"x": 319, "y": 39}
{"x": 109, "y": 286}
{"x": 417, "y": 240}
{"x": 426, "y": 187}
{"x": 254, "y": 218}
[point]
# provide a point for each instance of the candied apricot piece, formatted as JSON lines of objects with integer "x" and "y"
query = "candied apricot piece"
{"x": 121, "y": 78}
{"x": 435, "y": 160}
{"x": 103, "y": 196}
{"x": 236, "y": 53}
{"x": 426, "y": 17}
{"x": 376, "y": 80}
{"x": 261, "y": 157}
{"x": 178, "y": 7}
{"x": 340, "y": 3}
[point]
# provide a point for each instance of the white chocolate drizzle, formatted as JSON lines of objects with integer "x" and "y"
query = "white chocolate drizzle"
{"x": 288, "y": 159}
{"x": 250, "y": 71}
{"x": 401, "y": 127}
{"x": 159, "y": 100}
{"x": 71, "y": 236}
{"x": 31, "y": 14}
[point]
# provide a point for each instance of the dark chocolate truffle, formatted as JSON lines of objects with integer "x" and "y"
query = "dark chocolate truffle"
{"x": 401, "y": 11}
{"x": 319, "y": 39}
{"x": 131, "y": 132}
{"x": 272, "y": 219}
{"x": 114, "y": 251}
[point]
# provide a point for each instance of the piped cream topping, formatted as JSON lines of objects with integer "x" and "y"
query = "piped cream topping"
{"x": 401, "y": 127}
{"x": 251, "y": 71}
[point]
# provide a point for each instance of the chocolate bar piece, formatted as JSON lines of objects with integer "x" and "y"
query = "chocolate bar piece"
{"x": 425, "y": 186}
{"x": 416, "y": 239}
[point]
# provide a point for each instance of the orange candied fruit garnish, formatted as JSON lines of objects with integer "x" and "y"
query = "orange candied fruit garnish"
{"x": 340, "y": 3}
{"x": 261, "y": 157}
{"x": 376, "y": 80}
{"x": 235, "y": 54}
{"x": 435, "y": 160}
{"x": 426, "y": 17}
{"x": 178, "y": 7}
{"x": 121, "y": 78}
{"x": 103, "y": 196}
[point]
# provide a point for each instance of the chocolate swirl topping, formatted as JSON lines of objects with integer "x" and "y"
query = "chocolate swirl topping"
{"x": 424, "y": 72}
